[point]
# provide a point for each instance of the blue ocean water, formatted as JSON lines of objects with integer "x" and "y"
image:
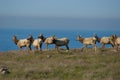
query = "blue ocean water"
{"x": 6, "y": 43}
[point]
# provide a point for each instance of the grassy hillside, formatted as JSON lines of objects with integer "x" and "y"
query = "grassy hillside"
{"x": 53, "y": 65}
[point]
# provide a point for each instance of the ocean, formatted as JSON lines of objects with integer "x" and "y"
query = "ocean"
{"x": 6, "y": 43}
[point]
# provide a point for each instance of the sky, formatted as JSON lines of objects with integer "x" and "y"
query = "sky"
{"x": 60, "y": 14}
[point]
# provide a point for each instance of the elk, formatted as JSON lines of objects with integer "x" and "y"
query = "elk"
{"x": 61, "y": 42}
{"x": 23, "y": 42}
{"x": 87, "y": 41}
{"x": 47, "y": 41}
{"x": 104, "y": 40}
{"x": 116, "y": 40}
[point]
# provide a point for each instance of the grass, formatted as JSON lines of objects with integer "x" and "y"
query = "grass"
{"x": 53, "y": 65}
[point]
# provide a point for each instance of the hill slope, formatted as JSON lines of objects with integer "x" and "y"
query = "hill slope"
{"x": 53, "y": 65}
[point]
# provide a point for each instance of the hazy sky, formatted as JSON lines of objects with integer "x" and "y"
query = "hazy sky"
{"x": 58, "y": 14}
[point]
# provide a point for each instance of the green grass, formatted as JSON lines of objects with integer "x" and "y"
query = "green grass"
{"x": 63, "y": 65}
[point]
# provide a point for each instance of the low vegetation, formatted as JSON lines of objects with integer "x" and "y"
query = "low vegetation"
{"x": 64, "y": 65}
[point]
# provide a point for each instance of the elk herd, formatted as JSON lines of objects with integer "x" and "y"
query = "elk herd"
{"x": 114, "y": 40}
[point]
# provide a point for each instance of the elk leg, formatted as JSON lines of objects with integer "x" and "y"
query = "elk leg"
{"x": 20, "y": 48}
{"x": 46, "y": 46}
{"x": 40, "y": 47}
{"x": 95, "y": 47}
{"x": 103, "y": 45}
{"x": 84, "y": 46}
{"x": 67, "y": 47}
{"x": 36, "y": 47}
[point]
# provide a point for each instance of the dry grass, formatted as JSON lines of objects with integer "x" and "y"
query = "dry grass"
{"x": 64, "y": 65}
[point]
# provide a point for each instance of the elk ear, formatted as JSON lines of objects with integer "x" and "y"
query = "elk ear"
{"x": 54, "y": 36}
{"x": 14, "y": 35}
{"x": 30, "y": 36}
{"x": 41, "y": 34}
{"x": 115, "y": 35}
{"x": 94, "y": 34}
{"x": 80, "y": 36}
